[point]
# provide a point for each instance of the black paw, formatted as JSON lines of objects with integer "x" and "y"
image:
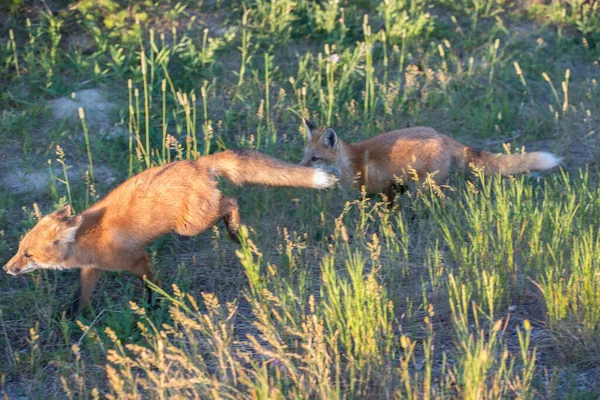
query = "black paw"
{"x": 152, "y": 302}
{"x": 73, "y": 310}
{"x": 232, "y": 229}
{"x": 233, "y": 235}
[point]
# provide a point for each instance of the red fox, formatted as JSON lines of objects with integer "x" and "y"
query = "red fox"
{"x": 181, "y": 196}
{"x": 378, "y": 162}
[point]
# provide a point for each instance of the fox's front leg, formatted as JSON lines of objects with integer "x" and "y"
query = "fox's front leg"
{"x": 141, "y": 269}
{"x": 390, "y": 191}
{"x": 388, "y": 195}
{"x": 88, "y": 279}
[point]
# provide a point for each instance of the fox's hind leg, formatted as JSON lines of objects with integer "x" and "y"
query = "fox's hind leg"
{"x": 88, "y": 280}
{"x": 199, "y": 220}
{"x": 230, "y": 213}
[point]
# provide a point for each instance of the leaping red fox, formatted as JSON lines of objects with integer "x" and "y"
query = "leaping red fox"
{"x": 378, "y": 162}
{"x": 181, "y": 196}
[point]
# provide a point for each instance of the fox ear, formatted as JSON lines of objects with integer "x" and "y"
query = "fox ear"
{"x": 79, "y": 225}
{"x": 308, "y": 127}
{"x": 68, "y": 234}
{"x": 63, "y": 213}
{"x": 90, "y": 219}
{"x": 330, "y": 139}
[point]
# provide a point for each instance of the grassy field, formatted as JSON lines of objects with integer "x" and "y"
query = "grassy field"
{"x": 487, "y": 287}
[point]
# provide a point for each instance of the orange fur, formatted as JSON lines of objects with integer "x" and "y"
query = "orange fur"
{"x": 181, "y": 196}
{"x": 379, "y": 162}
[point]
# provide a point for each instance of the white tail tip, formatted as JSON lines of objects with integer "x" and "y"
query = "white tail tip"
{"x": 545, "y": 160}
{"x": 322, "y": 179}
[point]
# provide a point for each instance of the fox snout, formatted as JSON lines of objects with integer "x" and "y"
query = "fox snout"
{"x": 10, "y": 271}
{"x": 14, "y": 267}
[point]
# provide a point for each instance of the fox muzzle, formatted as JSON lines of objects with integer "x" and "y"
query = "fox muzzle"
{"x": 14, "y": 270}
{"x": 8, "y": 270}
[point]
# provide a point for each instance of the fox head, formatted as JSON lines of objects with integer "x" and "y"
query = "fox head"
{"x": 46, "y": 245}
{"x": 322, "y": 147}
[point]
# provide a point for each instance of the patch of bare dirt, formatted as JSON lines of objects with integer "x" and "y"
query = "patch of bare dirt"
{"x": 18, "y": 181}
{"x": 98, "y": 110}
{"x": 33, "y": 175}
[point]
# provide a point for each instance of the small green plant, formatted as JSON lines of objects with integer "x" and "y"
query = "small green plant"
{"x": 572, "y": 296}
{"x": 246, "y": 36}
{"x": 203, "y": 55}
{"x": 477, "y": 10}
{"x": 330, "y": 17}
{"x": 582, "y": 14}
{"x": 274, "y": 17}
{"x": 406, "y": 19}
{"x": 13, "y": 47}
{"x": 120, "y": 21}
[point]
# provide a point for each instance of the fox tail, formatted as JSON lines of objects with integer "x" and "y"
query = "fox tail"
{"x": 504, "y": 164}
{"x": 242, "y": 167}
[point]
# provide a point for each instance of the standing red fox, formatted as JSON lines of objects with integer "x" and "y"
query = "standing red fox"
{"x": 181, "y": 196}
{"x": 378, "y": 162}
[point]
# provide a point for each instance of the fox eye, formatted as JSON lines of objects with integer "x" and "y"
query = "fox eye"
{"x": 27, "y": 255}
{"x": 315, "y": 159}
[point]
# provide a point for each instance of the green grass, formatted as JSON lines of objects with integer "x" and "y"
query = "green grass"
{"x": 486, "y": 287}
